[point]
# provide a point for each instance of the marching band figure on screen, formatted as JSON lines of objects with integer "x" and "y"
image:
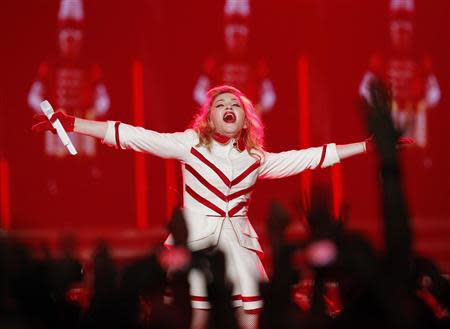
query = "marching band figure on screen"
{"x": 415, "y": 87}
{"x": 236, "y": 66}
{"x": 70, "y": 81}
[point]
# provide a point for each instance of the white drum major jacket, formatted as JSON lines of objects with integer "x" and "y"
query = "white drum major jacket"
{"x": 217, "y": 183}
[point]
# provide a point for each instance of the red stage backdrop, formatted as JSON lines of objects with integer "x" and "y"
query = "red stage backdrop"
{"x": 149, "y": 55}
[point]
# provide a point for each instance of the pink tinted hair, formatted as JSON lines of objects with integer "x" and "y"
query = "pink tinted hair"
{"x": 252, "y": 136}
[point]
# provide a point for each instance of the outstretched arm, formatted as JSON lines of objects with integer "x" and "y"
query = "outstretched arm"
{"x": 123, "y": 136}
{"x": 348, "y": 150}
{"x": 277, "y": 165}
{"x": 70, "y": 123}
{"x": 92, "y": 128}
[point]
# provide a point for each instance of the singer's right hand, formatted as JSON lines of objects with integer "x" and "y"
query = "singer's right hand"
{"x": 41, "y": 123}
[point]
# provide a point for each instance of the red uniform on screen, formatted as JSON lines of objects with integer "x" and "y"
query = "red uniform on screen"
{"x": 415, "y": 88}
{"x": 69, "y": 81}
{"x": 236, "y": 67}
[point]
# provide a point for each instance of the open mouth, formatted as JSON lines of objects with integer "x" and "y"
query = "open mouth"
{"x": 229, "y": 117}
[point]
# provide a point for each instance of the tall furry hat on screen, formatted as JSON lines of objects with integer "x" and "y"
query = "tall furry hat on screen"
{"x": 402, "y": 10}
{"x": 236, "y": 19}
{"x": 71, "y": 14}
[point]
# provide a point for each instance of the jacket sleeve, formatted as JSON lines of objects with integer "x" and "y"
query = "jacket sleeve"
{"x": 165, "y": 145}
{"x": 284, "y": 164}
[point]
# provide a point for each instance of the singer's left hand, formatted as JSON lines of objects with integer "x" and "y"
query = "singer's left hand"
{"x": 369, "y": 143}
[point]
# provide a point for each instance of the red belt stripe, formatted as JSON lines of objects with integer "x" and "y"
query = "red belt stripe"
{"x": 251, "y": 298}
{"x": 235, "y": 297}
{"x": 199, "y": 298}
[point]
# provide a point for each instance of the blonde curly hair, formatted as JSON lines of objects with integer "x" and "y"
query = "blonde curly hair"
{"x": 252, "y": 137}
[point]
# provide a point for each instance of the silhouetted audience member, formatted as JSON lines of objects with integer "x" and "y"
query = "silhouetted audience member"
{"x": 104, "y": 307}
